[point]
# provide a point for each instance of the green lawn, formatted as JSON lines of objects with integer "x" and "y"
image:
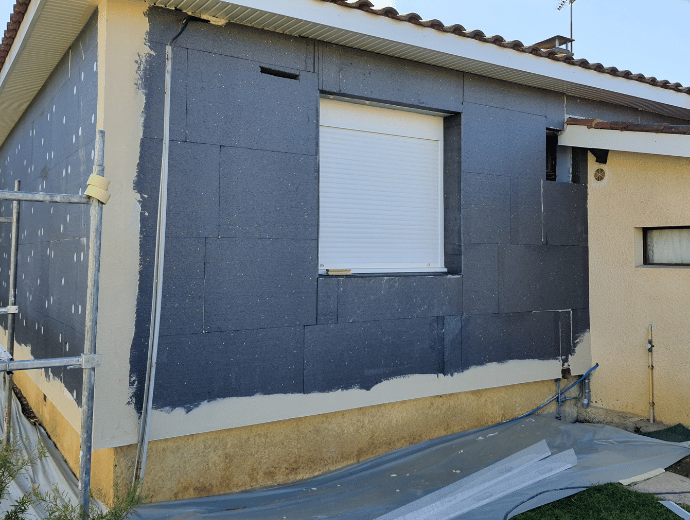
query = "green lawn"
{"x": 608, "y": 501}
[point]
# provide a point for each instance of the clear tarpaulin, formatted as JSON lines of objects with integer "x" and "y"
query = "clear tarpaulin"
{"x": 380, "y": 485}
{"x": 48, "y": 474}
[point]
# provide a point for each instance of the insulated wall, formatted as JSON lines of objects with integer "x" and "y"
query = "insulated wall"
{"x": 51, "y": 150}
{"x": 245, "y": 311}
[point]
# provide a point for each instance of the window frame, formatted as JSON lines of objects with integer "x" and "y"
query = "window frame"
{"x": 645, "y": 252}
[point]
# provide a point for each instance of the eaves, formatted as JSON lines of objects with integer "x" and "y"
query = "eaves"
{"x": 50, "y": 26}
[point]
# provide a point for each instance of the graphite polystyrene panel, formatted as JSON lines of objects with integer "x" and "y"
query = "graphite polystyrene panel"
{"x": 267, "y": 194}
{"x": 398, "y": 297}
{"x": 364, "y": 354}
{"x": 375, "y": 76}
{"x": 233, "y": 364}
{"x": 480, "y": 279}
{"x": 497, "y": 338}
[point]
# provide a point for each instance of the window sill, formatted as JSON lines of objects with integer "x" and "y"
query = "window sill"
{"x": 663, "y": 266}
{"x": 438, "y": 271}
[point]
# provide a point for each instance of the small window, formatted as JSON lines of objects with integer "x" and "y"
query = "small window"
{"x": 667, "y": 246}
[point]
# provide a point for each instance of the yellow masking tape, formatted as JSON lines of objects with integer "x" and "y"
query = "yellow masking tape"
{"x": 97, "y": 193}
{"x": 99, "y": 182}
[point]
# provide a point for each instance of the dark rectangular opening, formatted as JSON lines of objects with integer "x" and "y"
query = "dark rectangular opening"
{"x": 666, "y": 245}
{"x": 551, "y": 155}
{"x": 579, "y": 165}
{"x": 279, "y": 73}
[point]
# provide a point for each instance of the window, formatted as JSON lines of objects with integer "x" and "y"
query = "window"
{"x": 380, "y": 190}
{"x": 667, "y": 246}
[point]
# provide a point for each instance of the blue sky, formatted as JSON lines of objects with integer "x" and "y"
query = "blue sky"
{"x": 649, "y": 36}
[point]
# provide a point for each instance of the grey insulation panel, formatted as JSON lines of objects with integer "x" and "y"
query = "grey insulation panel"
{"x": 361, "y": 355}
{"x": 51, "y": 150}
{"x": 243, "y": 212}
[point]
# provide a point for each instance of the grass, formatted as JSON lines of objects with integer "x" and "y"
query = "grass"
{"x": 607, "y": 501}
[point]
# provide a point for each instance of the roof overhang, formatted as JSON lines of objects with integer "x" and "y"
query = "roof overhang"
{"x": 637, "y": 142}
{"x": 50, "y": 26}
{"x": 47, "y": 31}
{"x": 354, "y": 28}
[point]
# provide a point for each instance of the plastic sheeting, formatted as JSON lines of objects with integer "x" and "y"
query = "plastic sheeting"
{"x": 48, "y": 474}
{"x": 380, "y": 485}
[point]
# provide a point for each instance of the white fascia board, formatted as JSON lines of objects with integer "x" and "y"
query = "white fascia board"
{"x": 48, "y": 29}
{"x": 25, "y": 29}
{"x": 355, "y": 28}
{"x": 673, "y": 145}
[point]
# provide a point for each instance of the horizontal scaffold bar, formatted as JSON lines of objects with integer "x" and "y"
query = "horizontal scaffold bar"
{"x": 44, "y": 197}
{"x": 84, "y": 361}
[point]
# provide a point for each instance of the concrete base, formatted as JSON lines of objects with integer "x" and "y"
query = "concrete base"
{"x": 666, "y": 482}
{"x": 625, "y": 421}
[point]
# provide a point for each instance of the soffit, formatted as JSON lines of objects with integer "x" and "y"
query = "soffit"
{"x": 46, "y": 32}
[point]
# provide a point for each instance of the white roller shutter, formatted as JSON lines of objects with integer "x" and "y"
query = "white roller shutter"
{"x": 380, "y": 189}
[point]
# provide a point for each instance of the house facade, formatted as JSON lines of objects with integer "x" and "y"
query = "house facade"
{"x": 638, "y": 243}
{"x": 373, "y": 236}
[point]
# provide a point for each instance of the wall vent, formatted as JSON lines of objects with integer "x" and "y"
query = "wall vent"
{"x": 599, "y": 175}
{"x": 279, "y": 73}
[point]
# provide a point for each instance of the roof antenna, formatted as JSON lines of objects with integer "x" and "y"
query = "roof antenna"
{"x": 560, "y": 6}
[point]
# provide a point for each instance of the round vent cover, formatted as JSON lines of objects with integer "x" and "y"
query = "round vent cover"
{"x": 599, "y": 174}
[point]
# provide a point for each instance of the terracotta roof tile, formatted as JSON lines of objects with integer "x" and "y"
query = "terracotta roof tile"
{"x": 16, "y": 18}
{"x": 629, "y": 126}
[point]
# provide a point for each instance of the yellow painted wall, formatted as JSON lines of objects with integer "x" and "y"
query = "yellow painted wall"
{"x": 639, "y": 191}
{"x": 285, "y": 451}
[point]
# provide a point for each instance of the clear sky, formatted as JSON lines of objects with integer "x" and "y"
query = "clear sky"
{"x": 647, "y": 36}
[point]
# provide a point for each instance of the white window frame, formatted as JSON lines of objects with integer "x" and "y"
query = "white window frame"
{"x": 357, "y": 115}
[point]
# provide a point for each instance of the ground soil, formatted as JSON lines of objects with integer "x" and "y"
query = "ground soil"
{"x": 682, "y": 467}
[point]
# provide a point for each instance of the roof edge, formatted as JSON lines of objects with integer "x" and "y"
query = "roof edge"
{"x": 452, "y": 47}
{"x": 35, "y": 50}
{"x": 584, "y": 135}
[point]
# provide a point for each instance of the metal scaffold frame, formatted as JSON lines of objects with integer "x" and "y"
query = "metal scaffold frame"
{"x": 89, "y": 360}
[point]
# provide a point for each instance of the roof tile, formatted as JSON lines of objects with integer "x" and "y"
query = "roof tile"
{"x": 629, "y": 126}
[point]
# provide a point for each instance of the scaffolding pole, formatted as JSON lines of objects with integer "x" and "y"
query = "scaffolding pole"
{"x": 89, "y": 360}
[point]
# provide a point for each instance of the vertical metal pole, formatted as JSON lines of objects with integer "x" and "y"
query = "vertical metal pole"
{"x": 87, "y": 393}
{"x": 147, "y": 405}
{"x": 571, "y": 24}
{"x": 11, "y": 317}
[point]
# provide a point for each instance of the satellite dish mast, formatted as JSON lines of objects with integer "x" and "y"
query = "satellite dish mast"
{"x": 560, "y": 6}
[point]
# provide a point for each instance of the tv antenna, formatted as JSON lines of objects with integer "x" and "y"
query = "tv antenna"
{"x": 560, "y": 6}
